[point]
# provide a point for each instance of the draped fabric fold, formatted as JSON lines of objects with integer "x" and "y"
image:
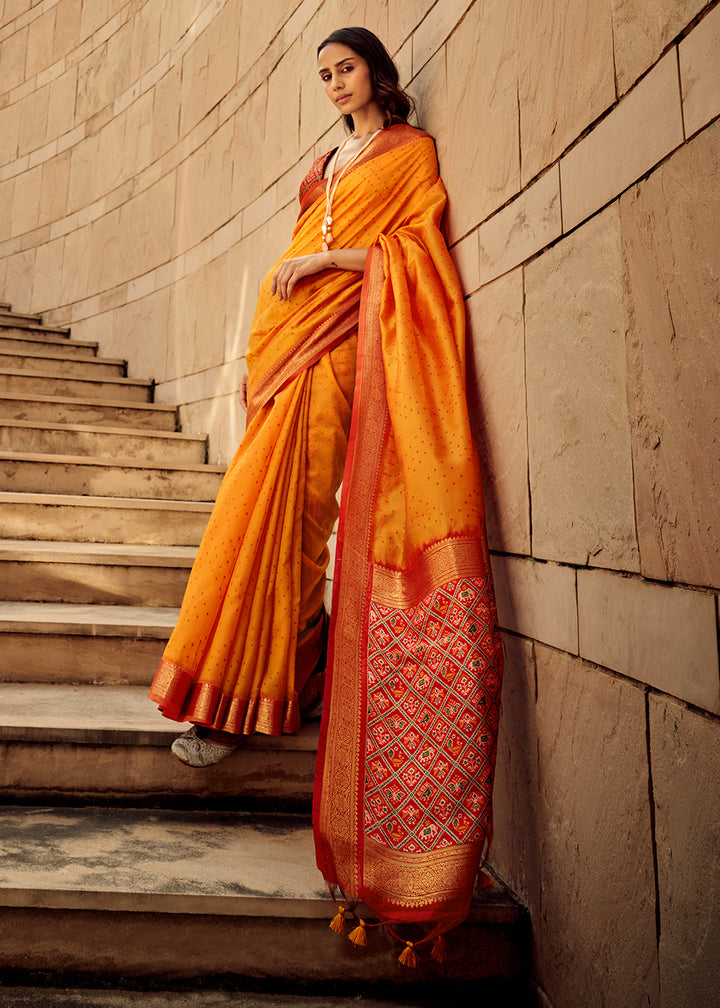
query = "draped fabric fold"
{"x": 360, "y": 379}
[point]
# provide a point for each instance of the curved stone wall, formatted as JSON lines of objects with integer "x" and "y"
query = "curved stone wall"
{"x": 150, "y": 154}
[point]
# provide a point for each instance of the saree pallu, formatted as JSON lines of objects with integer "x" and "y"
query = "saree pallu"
{"x": 402, "y": 807}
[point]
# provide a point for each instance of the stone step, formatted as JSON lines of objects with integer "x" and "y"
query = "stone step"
{"x": 111, "y": 744}
{"x": 241, "y": 997}
{"x": 37, "y": 383}
{"x": 93, "y": 574}
{"x": 95, "y": 412}
{"x": 43, "y": 642}
{"x": 70, "y": 518}
{"x": 203, "y": 896}
{"x": 20, "y": 340}
{"x": 39, "y": 437}
{"x": 73, "y": 474}
{"x": 58, "y": 364}
{"x": 20, "y": 319}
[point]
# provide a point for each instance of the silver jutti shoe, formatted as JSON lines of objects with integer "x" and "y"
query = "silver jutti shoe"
{"x": 194, "y": 751}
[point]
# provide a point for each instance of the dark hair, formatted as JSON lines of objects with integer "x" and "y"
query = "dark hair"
{"x": 395, "y": 104}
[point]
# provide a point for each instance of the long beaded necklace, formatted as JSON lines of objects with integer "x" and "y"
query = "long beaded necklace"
{"x": 332, "y": 186}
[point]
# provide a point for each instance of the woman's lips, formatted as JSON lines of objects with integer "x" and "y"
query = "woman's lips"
{"x": 342, "y": 98}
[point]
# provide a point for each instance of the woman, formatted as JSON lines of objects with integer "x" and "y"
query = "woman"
{"x": 356, "y": 375}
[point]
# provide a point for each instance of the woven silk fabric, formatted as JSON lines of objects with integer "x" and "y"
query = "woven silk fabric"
{"x": 403, "y": 794}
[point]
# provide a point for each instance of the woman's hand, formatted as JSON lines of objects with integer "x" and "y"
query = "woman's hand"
{"x": 242, "y": 392}
{"x": 291, "y": 270}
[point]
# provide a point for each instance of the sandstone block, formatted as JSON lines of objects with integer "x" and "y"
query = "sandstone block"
{"x": 33, "y": 120}
{"x": 244, "y": 266}
{"x": 281, "y": 139}
{"x": 210, "y": 66}
{"x": 579, "y": 438}
{"x": 76, "y": 264}
{"x": 639, "y": 132}
{"x": 145, "y": 39}
{"x": 597, "y": 941}
{"x": 537, "y": 600}
{"x": 566, "y": 77}
{"x": 484, "y": 169}
{"x": 665, "y": 637}
{"x": 9, "y": 133}
{"x": 496, "y": 400}
{"x": 403, "y": 19}
{"x": 14, "y": 8}
{"x": 6, "y": 200}
{"x": 700, "y": 73}
{"x": 107, "y": 261}
{"x": 83, "y": 180}
{"x": 146, "y": 226}
{"x": 47, "y": 281}
{"x": 685, "y": 754}
{"x": 672, "y": 263}
{"x": 12, "y": 59}
{"x": 166, "y": 118}
{"x": 429, "y": 89}
{"x": 25, "y": 210}
{"x": 61, "y": 107}
{"x": 222, "y": 160}
{"x": 147, "y": 320}
{"x": 189, "y": 209}
{"x": 515, "y": 852}
{"x": 432, "y": 31}
{"x": 114, "y": 146}
{"x": 54, "y": 188}
{"x": 41, "y": 33}
{"x": 209, "y": 346}
{"x": 522, "y": 228}
{"x": 642, "y": 29}
{"x": 19, "y": 277}
{"x": 465, "y": 257}
{"x": 67, "y": 27}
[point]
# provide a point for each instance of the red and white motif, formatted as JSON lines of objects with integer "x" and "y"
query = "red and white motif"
{"x": 433, "y": 713}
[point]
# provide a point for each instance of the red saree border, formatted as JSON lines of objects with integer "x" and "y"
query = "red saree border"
{"x": 313, "y": 185}
{"x": 304, "y": 354}
{"x": 180, "y": 699}
{"x": 338, "y": 826}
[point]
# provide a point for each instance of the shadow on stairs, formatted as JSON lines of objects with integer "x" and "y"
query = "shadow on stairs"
{"x": 122, "y": 868}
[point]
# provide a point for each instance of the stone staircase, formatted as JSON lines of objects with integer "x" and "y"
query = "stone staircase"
{"x": 116, "y": 861}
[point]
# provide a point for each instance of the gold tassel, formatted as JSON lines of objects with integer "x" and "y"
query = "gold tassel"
{"x": 439, "y": 949}
{"x": 338, "y": 922}
{"x": 408, "y": 957}
{"x": 359, "y": 935}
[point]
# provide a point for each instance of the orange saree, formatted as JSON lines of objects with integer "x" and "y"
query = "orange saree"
{"x": 402, "y": 809}
{"x": 360, "y": 379}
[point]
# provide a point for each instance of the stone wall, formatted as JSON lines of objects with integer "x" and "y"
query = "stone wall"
{"x": 150, "y": 152}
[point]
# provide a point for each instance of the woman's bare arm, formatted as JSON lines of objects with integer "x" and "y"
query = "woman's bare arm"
{"x": 291, "y": 270}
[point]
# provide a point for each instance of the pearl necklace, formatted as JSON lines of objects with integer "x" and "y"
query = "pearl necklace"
{"x": 332, "y": 186}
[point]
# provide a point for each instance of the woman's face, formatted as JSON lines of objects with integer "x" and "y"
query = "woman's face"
{"x": 346, "y": 78}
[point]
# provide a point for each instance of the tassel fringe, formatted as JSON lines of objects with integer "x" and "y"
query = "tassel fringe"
{"x": 337, "y": 924}
{"x": 439, "y": 949}
{"x": 408, "y": 956}
{"x": 359, "y": 935}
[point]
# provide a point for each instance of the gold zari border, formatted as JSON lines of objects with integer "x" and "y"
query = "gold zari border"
{"x": 442, "y": 562}
{"x": 423, "y": 879}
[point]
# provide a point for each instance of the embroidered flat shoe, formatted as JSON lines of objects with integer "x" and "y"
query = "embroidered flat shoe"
{"x": 194, "y": 751}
